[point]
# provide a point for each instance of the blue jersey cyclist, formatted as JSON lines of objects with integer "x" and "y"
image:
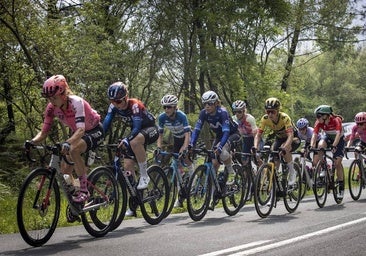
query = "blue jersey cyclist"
{"x": 176, "y": 122}
{"x": 221, "y": 124}
{"x": 143, "y": 129}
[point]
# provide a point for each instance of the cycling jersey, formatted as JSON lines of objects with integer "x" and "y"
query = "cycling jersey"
{"x": 281, "y": 129}
{"x": 359, "y": 131}
{"x": 78, "y": 114}
{"x": 246, "y": 125}
{"x": 331, "y": 129}
{"x": 220, "y": 123}
{"x": 135, "y": 116}
{"x": 178, "y": 126}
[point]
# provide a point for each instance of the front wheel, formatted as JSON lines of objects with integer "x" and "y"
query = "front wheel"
{"x": 38, "y": 207}
{"x": 199, "y": 193}
{"x": 355, "y": 179}
{"x": 293, "y": 192}
{"x": 100, "y": 210}
{"x": 236, "y": 190}
{"x": 264, "y": 190}
{"x": 155, "y": 197}
{"x": 321, "y": 183}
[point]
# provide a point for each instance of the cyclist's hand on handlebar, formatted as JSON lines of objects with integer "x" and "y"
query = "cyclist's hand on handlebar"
{"x": 124, "y": 144}
{"x": 253, "y": 150}
{"x": 157, "y": 152}
{"x": 65, "y": 147}
{"x": 183, "y": 154}
{"x": 333, "y": 148}
{"x": 28, "y": 144}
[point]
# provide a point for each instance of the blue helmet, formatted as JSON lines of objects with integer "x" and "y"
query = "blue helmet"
{"x": 302, "y": 123}
{"x": 117, "y": 90}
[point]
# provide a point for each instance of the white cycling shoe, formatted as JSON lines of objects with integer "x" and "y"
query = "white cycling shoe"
{"x": 143, "y": 182}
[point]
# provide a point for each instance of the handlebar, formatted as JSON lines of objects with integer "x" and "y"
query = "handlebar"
{"x": 52, "y": 149}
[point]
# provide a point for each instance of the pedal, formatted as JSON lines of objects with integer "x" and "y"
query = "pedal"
{"x": 70, "y": 216}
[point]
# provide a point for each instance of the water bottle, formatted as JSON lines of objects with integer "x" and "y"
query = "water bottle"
{"x": 68, "y": 184}
{"x": 91, "y": 157}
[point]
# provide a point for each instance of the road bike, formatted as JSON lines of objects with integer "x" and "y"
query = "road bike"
{"x": 153, "y": 201}
{"x": 271, "y": 183}
{"x": 306, "y": 169}
{"x": 204, "y": 185}
{"x": 356, "y": 174}
{"x": 39, "y": 200}
{"x": 325, "y": 177}
{"x": 178, "y": 182}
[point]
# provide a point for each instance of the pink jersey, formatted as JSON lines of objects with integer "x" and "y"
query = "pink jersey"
{"x": 360, "y": 132}
{"x": 78, "y": 114}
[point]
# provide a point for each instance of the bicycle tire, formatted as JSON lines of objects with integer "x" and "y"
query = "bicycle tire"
{"x": 236, "y": 190}
{"x": 264, "y": 191}
{"x": 304, "y": 184}
{"x": 122, "y": 197}
{"x": 321, "y": 184}
{"x": 199, "y": 188}
{"x": 355, "y": 179}
{"x": 37, "y": 224}
{"x": 293, "y": 193}
{"x": 99, "y": 221}
{"x": 155, "y": 197}
{"x": 173, "y": 188}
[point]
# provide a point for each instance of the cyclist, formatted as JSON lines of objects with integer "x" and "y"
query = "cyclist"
{"x": 282, "y": 128}
{"x": 143, "y": 131}
{"x": 219, "y": 121}
{"x": 176, "y": 121}
{"x": 84, "y": 122}
{"x": 246, "y": 126}
{"x": 331, "y": 125}
{"x": 360, "y": 129}
{"x": 305, "y": 133}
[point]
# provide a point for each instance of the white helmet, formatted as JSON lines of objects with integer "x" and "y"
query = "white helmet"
{"x": 169, "y": 100}
{"x": 238, "y": 105}
{"x": 209, "y": 96}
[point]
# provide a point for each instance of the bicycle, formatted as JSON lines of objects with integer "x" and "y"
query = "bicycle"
{"x": 305, "y": 163}
{"x": 153, "y": 200}
{"x": 325, "y": 178}
{"x": 39, "y": 200}
{"x": 178, "y": 183}
{"x": 356, "y": 174}
{"x": 271, "y": 184}
{"x": 204, "y": 184}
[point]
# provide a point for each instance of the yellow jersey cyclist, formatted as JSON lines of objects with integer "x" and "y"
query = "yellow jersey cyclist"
{"x": 285, "y": 136}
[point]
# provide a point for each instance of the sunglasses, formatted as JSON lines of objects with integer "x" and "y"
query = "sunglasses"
{"x": 271, "y": 112}
{"x": 118, "y": 101}
{"x": 209, "y": 103}
{"x": 319, "y": 116}
{"x": 238, "y": 112}
{"x": 168, "y": 107}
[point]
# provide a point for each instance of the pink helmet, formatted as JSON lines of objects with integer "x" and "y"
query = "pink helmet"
{"x": 360, "y": 117}
{"x": 55, "y": 85}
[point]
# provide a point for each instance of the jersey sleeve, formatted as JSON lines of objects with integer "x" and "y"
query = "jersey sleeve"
{"x": 48, "y": 118}
{"x": 108, "y": 119}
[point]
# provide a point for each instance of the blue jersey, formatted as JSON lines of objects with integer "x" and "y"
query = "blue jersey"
{"x": 178, "y": 126}
{"x": 135, "y": 116}
{"x": 220, "y": 123}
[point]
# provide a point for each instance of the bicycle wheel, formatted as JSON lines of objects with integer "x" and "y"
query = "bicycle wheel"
{"x": 122, "y": 197}
{"x": 100, "y": 211}
{"x": 155, "y": 197}
{"x": 355, "y": 179}
{"x": 304, "y": 184}
{"x": 293, "y": 193}
{"x": 321, "y": 183}
{"x": 264, "y": 191}
{"x": 38, "y": 207}
{"x": 237, "y": 189}
{"x": 199, "y": 195}
{"x": 173, "y": 188}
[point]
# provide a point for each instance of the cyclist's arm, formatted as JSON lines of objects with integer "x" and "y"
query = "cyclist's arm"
{"x": 108, "y": 119}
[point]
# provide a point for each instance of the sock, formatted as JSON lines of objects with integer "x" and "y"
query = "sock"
{"x": 83, "y": 183}
{"x": 143, "y": 167}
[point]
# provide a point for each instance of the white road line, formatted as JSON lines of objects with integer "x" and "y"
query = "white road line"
{"x": 296, "y": 239}
{"x": 236, "y": 248}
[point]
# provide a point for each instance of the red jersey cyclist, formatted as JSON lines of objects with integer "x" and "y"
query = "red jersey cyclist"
{"x": 281, "y": 125}
{"x": 331, "y": 125}
{"x": 360, "y": 129}
{"x": 84, "y": 122}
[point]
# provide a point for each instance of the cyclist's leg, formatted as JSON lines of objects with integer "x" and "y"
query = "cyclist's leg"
{"x": 338, "y": 156}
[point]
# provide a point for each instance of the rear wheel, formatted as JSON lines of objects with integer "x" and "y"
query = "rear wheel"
{"x": 199, "y": 193}
{"x": 237, "y": 189}
{"x": 321, "y": 183}
{"x": 38, "y": 207}
{"x": 355, "y": 179}
{"x": 100, "y": 210}
{"x": 155, "y": 197}
{"x": 294, "y": 193}
{"x": 264, "y": 190}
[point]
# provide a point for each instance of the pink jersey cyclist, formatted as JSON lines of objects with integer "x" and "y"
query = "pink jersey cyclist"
{"x": 360, "y": 129}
